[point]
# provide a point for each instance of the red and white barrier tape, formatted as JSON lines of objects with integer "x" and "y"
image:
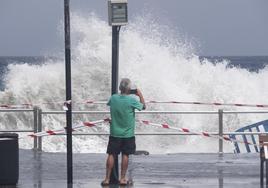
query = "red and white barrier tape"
{"x": 187, "y": 103}
{"x": 65, "y": 104}
{"x": 190, "y": 103}
{"x": 11, "y": 106}
{"x": 28, "y": 105}
{"x": 76, "y": 127}
{"x": 165, "y": 126}
{"x": 92, "y": 102}
{"x": 211, "y": 104}
{"x": 185, "y": 130}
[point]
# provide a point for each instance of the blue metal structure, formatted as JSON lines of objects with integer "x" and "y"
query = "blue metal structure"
{"x": 261, "y": 126}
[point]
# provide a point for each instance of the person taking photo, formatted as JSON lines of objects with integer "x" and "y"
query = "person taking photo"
{"x": 122, "y": 128}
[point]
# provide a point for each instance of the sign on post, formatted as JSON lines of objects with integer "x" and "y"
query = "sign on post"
{"x": 118, "y": 14}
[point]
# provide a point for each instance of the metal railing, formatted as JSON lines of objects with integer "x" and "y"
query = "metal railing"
{"x": 35, "y": 121}
{"x": 39, "y": 113}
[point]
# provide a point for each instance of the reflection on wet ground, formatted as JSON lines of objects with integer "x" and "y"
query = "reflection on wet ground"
{"x": 47, "y": 170}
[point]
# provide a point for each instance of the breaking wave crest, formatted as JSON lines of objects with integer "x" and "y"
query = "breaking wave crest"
{"x": 158, "y": 61}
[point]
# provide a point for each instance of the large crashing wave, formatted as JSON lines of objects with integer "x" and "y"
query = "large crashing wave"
{"x": 159, "y": 62}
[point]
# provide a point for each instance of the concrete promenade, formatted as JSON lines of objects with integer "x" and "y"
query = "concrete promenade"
{"x": 48, "y": 170}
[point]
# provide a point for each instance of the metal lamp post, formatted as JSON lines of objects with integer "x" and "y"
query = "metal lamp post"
{"x": 118, "y": 16}
{"x": 68, "y": 91}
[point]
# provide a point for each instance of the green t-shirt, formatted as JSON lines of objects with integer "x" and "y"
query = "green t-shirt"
{"x": 122, "y": 109}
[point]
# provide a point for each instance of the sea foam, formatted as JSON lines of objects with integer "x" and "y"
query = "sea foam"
{"x": 159, "y": 62}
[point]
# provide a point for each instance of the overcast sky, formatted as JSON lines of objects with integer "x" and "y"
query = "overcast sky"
{"x": 221, "y": 27}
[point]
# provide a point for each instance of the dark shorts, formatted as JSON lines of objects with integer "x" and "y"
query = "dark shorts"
{"x": 125, "y": 145}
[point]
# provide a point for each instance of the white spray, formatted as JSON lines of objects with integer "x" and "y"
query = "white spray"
{"x": 162, "y": 66}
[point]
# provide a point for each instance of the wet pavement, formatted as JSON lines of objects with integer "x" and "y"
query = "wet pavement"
{"x": 47, "y": 170}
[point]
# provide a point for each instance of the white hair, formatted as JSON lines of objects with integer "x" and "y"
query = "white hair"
{"x": 125, "y": 85}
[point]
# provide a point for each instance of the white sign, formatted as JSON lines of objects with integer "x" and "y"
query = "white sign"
{"x": 118, "y": 14}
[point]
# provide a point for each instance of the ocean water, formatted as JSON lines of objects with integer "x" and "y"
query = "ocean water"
{"x": 160, "y": 63}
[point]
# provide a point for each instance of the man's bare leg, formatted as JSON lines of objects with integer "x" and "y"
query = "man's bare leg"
{"x": 124, "y": 166}
{"x": 109, "y": 167}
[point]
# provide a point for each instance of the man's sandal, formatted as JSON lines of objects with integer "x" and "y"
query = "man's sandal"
{"x": 126, "y": 184}
{"x": 103, "y": 184}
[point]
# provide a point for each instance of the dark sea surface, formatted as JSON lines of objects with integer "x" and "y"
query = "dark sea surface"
{"x": 251, "y": 63}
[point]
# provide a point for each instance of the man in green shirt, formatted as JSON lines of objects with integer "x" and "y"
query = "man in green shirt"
{"x": 122, "y": 128}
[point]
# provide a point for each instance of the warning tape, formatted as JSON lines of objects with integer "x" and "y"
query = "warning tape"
{"x": 10, "y": 106}
{"x": 66, "y": 103}
{"x": 191, "y": 103}
{"x": 28, "y": 105}
{"x": 214, "y": 104}
{"x": 164, "y": 125}
{"x": 185, "y": 130}
{"x": 74, "y": 128}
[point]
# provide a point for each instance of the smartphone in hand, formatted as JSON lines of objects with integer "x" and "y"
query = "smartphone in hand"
{"x": 133, "y": 91}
